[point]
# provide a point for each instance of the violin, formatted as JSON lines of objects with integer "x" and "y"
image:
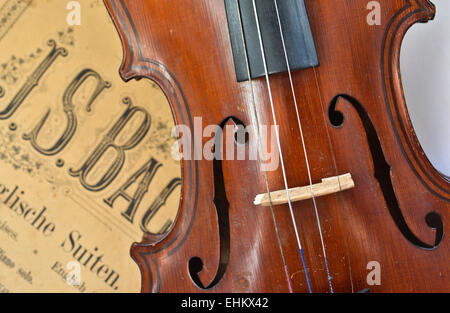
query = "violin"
{"x": 305, "y": 174}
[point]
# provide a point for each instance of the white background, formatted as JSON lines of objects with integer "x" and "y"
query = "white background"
{"x": 425, "y": 68}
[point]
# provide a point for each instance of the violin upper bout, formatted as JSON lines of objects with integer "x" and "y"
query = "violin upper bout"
{"x": 116, "y": 11}
{"x": 126, "y": 16}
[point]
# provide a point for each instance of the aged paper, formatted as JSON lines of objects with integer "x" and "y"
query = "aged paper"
{"x": 85, "y": 162}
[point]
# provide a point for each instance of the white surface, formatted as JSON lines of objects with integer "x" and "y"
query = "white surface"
{"x": 425, "y": 68}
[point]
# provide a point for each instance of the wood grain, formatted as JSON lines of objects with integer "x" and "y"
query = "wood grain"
{"x": 184, "y": 46}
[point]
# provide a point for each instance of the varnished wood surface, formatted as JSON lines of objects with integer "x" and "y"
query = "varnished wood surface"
{"x": 184, "y": 46}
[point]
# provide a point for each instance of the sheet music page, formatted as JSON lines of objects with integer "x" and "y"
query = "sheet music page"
{"x": 85, "y": 158}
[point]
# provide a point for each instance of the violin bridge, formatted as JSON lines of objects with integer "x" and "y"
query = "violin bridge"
{"x": 327, "y": 186}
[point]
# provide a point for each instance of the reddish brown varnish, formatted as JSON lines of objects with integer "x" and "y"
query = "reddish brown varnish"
{"x": 184, "y": 46}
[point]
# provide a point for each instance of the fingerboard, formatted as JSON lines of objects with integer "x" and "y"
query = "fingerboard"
{"x": 296, "y": 31}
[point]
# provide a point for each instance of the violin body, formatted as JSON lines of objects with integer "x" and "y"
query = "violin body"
{"x": 354, "y": 120}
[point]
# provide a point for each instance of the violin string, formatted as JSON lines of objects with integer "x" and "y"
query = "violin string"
{"x": 279, "y": 145}
{"x": 256, "y": 120}
{"x": 304, "y": 146}
{"x": 333, "y": 155}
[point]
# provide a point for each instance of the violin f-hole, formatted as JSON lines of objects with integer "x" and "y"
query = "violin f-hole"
{"x": 383, "y": 174}
{"x": 221, "y": 204}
